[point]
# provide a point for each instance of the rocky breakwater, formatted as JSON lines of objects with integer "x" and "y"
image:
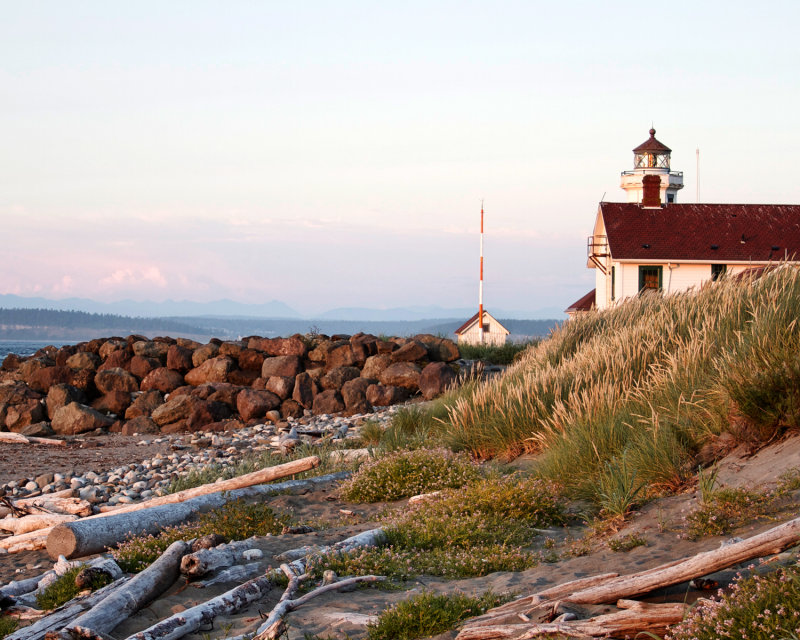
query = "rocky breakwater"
{"x": 140, "y": 386}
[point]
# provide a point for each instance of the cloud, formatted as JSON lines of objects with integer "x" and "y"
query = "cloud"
{"x": 126, "y": 277}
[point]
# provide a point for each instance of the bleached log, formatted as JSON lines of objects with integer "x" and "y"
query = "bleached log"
{"x": 633, "y": 618}
{"x": 122, "y": 603}
{"x": 370, "y": 538}
{"x": 350, "y": 455}
{"x": 20, "y": 587}
{"x": 192, "y": 619}
{"x": 26, "y": 541}
{"x": 64, "y": 614}
{"x": 50, "y": 503}
{"x": 236, "y": 573}
{"x": 36, "y": 522}
{"x": 205, "y": 561}
{"x": 21, "y": 439}
{"x": 424, "y": 497}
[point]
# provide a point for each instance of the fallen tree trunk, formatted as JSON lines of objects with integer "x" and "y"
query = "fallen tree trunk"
{"x": 205, "y": 561}
{"x": 52, "y": 503}
{"x": 64, "y": 614}
{"x": 122, "y": 603}
{"x": 634, "y": 617}
{"x": 36, "y": 522}
{"x": 192, "y": 619}
{"x": 371, "y": 538}
{"x": 21, "y": 439}
{"x": 105, "y": 530}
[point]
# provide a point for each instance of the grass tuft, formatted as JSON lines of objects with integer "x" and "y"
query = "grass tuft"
{"x": 63, "y": 589}
{"x": 7, "y": 625}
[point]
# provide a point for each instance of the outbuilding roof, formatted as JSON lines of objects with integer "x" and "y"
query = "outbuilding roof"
{"x": 585, "y": 303}
{"x": 474, "y": 319}
{"x": 652, "y": 145}
{"x": 707, "y": 232}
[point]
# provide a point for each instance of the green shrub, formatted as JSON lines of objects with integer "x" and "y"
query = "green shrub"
{"x": 626, "y": 543}
{"x": 428, "y": 614}
{"x": 63, "y": 589}
{"x": 495, "y": 354}
{"x": 407, "y": 473}
{"x": 726, "y": 510}
{"x": 237, "y": 520}
{"x": 757, "y": 608}
{"x": 7, "y": 625}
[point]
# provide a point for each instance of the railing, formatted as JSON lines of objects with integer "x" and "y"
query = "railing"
{"x": 596, "y": 248}
{"x": 677, "y": 174}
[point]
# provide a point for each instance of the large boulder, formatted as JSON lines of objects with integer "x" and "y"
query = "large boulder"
{"x": 78, "y": 418}
{"x": 251, "y": 360}
{"x": 364, "y": 345}
{"x": 11, "y": 362}
{"x": 140, "y": 366}
{"x": 115, "y": 380}
{"x": 179, "y": 358}
{"x": 110, "y": 346}
{"x": 117, "y": 359}
{"x": 84, "y": 360}
{"x": 291, "y": 409}
{"x": 206, "y": 413}
{"x": 281, "y": 386}
{"x": 20, "y": 415}
{"x": 231, "y": 348}
{"x": 222, "y": 392}
{"x": 375, "y": 366}
{"x": 305, "y": 388}
{"x": 254, "y": 404}
{"x": 207, "y": 351}
{"x": 60, "y": 395}
{"x": 162, "y": 379}
{"x": 144, "y": 404}
{"x": 411, "y": 351}
{"x": 151, "y": 349}
{"x": 139, "y": 425}
{"x": 287, "y": 366}
{"x": 337, "y": 376}
{"x": 329, "y": 401}
{"x": 42, "y": 379}
{"x": 341, "y": 356}
{"x": 293, "y": 346}
{"x": 402, "y": 374}
{"x": 435, "y": 379}
{"x": 212, "y": 370}
{"x": 242, "y": 378}
{"x": 175, "y": 409}
{"x": 354, "y": 394}
{"x": 440, "y": 349}
{"x": 380, "y": 395}
{"x": 116, "y": 402}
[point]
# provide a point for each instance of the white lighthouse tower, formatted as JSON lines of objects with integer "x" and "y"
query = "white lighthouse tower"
{"x": 651, "y": 158}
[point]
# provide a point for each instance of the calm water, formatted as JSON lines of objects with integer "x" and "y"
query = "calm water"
{"x": 24, "y": 347}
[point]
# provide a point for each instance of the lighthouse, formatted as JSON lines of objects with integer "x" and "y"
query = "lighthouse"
{"x": 651, "y": 158}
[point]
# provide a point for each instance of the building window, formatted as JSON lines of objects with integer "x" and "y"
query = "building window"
{"x": 486, "y": 328}
{"x": 717, "y": 270}
{"x": 613, "y": 282}
{"x": 649, "y": 278}
{"x": 670, "y": 198}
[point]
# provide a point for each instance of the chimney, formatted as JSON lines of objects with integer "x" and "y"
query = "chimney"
{"x": 651, "y": 191}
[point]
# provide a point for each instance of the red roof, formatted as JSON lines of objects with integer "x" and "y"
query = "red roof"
{"x": 474, "y": 318}
{"x": 586, "y": 303}
{"x": 652, "y": 145}
{"x": 708, "y": 232}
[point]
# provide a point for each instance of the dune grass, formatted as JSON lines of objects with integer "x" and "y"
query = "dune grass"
{"x": 629, "y": 394}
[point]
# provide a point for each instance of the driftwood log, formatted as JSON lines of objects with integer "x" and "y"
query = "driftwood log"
{"x": 205, "y": 561}
{"x": 512, "y": 620}
{"x": 96, "y": 533}
{"x": 38, "y": 539}
{"x": 21, "y": 439}
{"x": 53, "y": 503}
{"x": 35, "y": 522}
{"x": 371, "y": 538}
{"x": 122, "y": 603}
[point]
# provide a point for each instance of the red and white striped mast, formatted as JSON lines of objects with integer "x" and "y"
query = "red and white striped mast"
{"x": 480, "y": 286}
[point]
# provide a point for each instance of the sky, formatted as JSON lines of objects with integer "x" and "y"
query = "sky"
{"x": 335, "y": 154}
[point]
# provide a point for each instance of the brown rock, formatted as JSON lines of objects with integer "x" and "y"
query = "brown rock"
{"x": 341, "y": 356}
{"x": 116, "y": 402}
{"x": 162, "y": 379}
{"x": 139, "y": 424}
{"x": 435, "y": 379}
{"x": 179, "y": 358}
{"x": 379, "y": 395}
{"x": 304, "y": 390}
{"x": 78, "y": 418}
{"x": 118, "y": 359}
{"x": 11, "y": 362}
{"x": 20, "y": 415}
{"x": 291, "y": 409}
{"x": 386, "y": 346}
{"x": 207, "y": 351}
{"x": 253, "y": 404}
{"x": 242, "y": 378}
{"x": 60, "y": 395}
{"x": 152, "y": 349}
{"x": 144, "y": 404}
{"x": 212, "y": 370}
{"x": 293, "y": 346}
{"x": 42, "y": 379}
{"x": 84, "y": 380}
{"x": 110, "y": 346}
{"x": 224, "y": 392}
{"x": 329, "y": 401}
{"x": 188, "y": 343}
{"x": 84, "y": 360}
{"x": 375, "y": 366}
{"x": 443, "y": 350}
{"x": 207, "y": 413}
{"x": 281, "y": 386}
{"x": 337, "y": 376}
{"x": 354, "y": 394}
{"x": 28, "y": 367}
{"x": 115, "y": 380}
{"x": 411, "y": 351}
{"x": 140, "y": 366}
{"x": 15, "y": 392}
{"x": 251, "y": 360}
{"x": 175, "y": 409}
{"x": 287, "y": 366}
{"x": 364, "y": 345}
{"x": 37, "y": 430}
{"x": 402, "y": 374}
{"x": 231, "y": 349}
{"x": 179, "y": 426}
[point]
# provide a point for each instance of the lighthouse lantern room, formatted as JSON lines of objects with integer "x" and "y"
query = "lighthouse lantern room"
{"x": 651, "y": 158}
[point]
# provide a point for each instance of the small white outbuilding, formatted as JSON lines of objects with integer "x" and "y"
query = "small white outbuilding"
{"x": 494, "y": 333}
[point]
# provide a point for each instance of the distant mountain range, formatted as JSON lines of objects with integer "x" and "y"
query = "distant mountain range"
{"x": 271, "y": 309}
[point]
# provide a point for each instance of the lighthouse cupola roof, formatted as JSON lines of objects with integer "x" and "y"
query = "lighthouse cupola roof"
{"x": 651, "y": 153}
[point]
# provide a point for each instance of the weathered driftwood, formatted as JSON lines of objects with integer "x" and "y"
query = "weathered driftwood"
{"x": 371, "y": 538}
{"x": 38, "y": 539}
{"x": 20, "y": 587}
{"x": 64, "y": 614}
{"x": 35, "y": 522}
{"x": 205, "y": 561}
{"x": 190, "y": 620}
{"x": 122, "y": 603}
{"x": 634, "y": 617}
{"x": 274, "y": 625}
{"x": 21, "y": 439}
{"x": 236, "y": 573}
{"x": 52, "y": 503}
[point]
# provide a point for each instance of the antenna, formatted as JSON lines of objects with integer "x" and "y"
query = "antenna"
{"x": 697, "y": 194}
{"x": 480, "y": 286}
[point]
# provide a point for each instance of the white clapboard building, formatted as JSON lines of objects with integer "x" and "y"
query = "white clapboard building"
{"x": 494, "y": 333}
